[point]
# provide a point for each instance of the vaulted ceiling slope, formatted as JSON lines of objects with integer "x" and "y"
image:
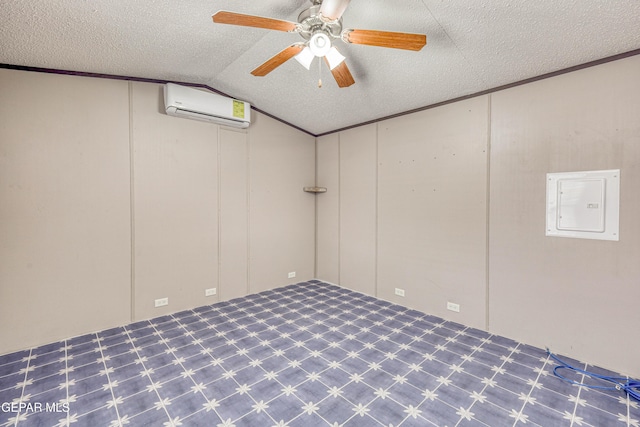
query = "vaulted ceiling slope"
{"x": 472, "y": 46}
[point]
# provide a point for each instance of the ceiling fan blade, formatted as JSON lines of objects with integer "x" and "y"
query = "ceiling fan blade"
{"x": 342, "y": 74}
{"x": 225, "y": 17}
{"x": 390, "y": 39}
{"x": 333, "y": 9}
{"x": 278, "y": 59}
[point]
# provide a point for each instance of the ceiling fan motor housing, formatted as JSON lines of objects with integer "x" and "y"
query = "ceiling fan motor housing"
{"x": 311, "y": 22}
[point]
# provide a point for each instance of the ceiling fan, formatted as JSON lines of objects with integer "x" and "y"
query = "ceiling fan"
{"x": 319, "y": 25}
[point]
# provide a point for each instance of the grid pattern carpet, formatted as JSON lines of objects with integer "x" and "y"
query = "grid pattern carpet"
{"x": 309, "y": 354}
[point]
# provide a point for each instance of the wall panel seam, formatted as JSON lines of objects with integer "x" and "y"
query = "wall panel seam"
{"x": 247, "y": 141}
{"x": 340, "y": 208}
{"x": 315, "y": 210}
{"x": 375, "y": 260}
{"x": 132, "y": 217}
{"x": 488, "y": 212}
{"x": 218, "y": 160}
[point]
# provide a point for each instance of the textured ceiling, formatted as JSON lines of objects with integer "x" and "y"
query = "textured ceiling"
{"x": 472, "y": 46}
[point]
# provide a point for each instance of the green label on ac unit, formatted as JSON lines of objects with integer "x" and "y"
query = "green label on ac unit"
{"x": 238, "y": 109}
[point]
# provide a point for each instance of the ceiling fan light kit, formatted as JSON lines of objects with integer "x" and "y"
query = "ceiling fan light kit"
{"x": 318, "y": 25}
{"x": 319, "y": 44}
{"x": 305, "y": 58}
{"x": 334, "y": 58}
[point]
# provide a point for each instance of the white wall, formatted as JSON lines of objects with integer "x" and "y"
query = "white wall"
{"x": 216, "y": 207}
{"x": 281, "y": 214}
{"x": 175, "y": 206}
{"x": 107, "y": 204}
{"x": 579, "y": 297}
{"x": 65, "y": 232}
{"x": 460, "y": 212}
{"x": 411, "y": 203}
{"x": 432, "y": 209}
{"x": 328, "y": 208}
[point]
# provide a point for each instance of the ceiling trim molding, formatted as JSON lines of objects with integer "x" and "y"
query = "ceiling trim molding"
{"x": 404, "y": 113}
{"x": 143, "y": 80}
{"x": 495, "y": 89}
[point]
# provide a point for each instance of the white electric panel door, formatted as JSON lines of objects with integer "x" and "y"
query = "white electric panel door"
{"x": 581, "y": 204}
{"x": 584, "y": 205}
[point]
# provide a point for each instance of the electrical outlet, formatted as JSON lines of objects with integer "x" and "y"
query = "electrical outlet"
{"x": 292, "y": 275}
{"x": 453, "y": 307}
{"x": 161, "y": 302}
{"x": 400, "y": 292}
{"x": 210, "y": 292}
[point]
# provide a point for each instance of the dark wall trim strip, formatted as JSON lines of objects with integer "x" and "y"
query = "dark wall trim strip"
{"x": 139, "y": 79}
{"x": 496, "y": 89}
{"x": 404, "y": 113}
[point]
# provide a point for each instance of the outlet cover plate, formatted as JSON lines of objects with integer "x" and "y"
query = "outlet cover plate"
{"x": 453, "y": 307}
{"x": 161, "y": 302}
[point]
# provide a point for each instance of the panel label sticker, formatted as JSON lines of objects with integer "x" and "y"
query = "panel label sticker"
{"x": 238, "y": 109}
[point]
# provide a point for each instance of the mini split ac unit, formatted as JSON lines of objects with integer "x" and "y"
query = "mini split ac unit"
{"x": 190, "y": 103}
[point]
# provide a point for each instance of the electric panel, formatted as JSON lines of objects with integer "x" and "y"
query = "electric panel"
{"x": 584, "y": 204}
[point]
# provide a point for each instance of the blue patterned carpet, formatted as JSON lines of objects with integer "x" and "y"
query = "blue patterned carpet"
{"x": 310, "y": 354}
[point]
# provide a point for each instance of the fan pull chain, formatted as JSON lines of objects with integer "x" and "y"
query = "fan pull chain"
{"x": 319, "y": 73}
